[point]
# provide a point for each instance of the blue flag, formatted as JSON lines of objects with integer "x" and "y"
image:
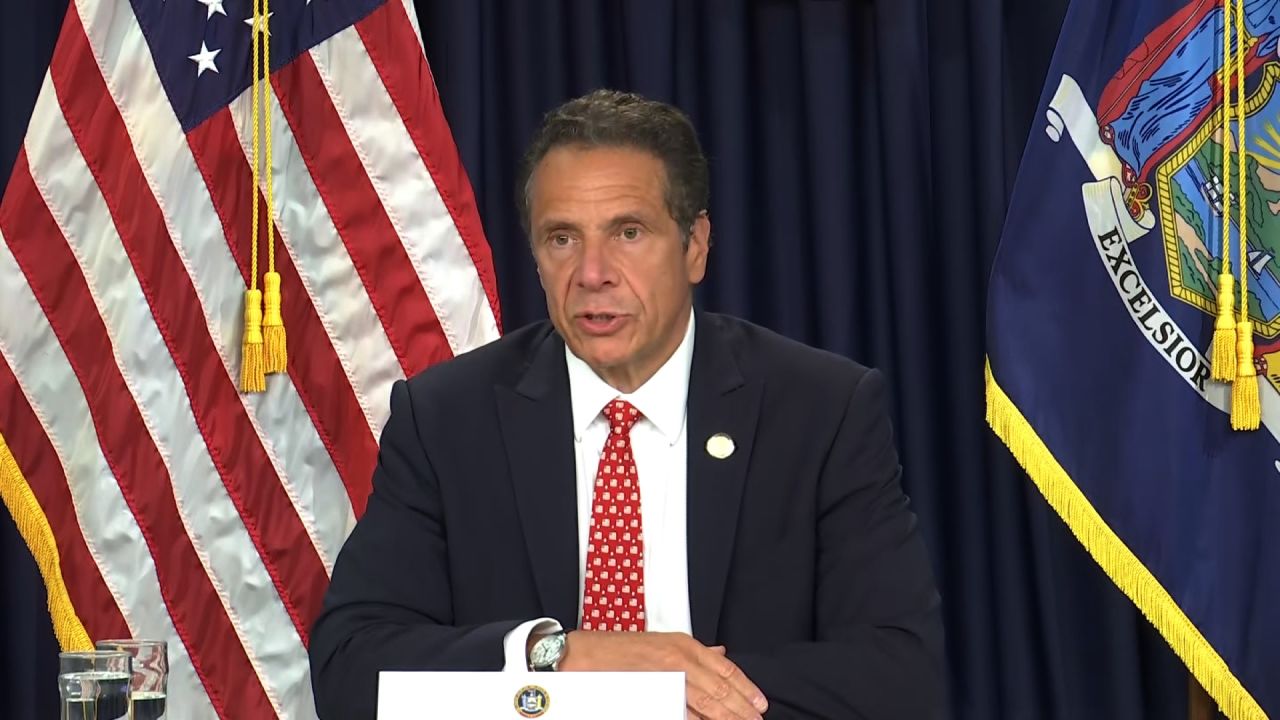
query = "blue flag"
{"x": 1137, "y": 227}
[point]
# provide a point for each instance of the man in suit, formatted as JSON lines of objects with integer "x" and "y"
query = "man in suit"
{"x": 637, "y": 485}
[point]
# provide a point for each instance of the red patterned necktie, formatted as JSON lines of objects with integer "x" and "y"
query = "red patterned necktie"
{"x": 613, "y": 592}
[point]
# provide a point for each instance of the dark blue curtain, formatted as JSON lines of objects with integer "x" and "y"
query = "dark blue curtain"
{"x": 862, "y": 155}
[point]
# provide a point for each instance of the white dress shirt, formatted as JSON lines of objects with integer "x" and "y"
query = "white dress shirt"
{"x": 659, "y": 445}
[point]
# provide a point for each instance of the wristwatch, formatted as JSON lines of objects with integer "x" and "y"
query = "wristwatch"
{"x": 547, "y": 652}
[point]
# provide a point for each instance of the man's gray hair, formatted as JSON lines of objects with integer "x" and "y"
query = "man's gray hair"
{"x": 608, "y": 118}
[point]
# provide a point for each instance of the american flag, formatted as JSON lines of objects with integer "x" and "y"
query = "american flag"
{"x": 158, "y": 500}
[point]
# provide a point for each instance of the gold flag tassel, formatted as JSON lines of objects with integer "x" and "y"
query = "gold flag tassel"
{"x": 276, "y": 356}
{"x": 1246, "y": 409}
{"x": 1246, "y": 406}
{"x": 252, "y": 373}
{"x": 1222, "y": 365}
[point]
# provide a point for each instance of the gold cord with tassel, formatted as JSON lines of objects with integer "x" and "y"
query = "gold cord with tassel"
{"x": 1246, "y": 410}
{"x": 276, "y": 356}
{"x": 252, "y": 372}
{"x": 1223, "y": 360}
{"x": 1246, "y": 406}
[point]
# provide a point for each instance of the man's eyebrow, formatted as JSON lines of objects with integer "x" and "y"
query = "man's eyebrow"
{"x": 627, "y": 219}
{"x": 556, "y": 224}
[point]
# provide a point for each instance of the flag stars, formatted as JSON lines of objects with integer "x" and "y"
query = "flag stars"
{"x": 213, "y": 6}
{"x": 263, "y": 27}
{"x": 204, "y": 59}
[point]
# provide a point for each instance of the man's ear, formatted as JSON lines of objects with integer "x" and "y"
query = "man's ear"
{"x": 695, "y": 255}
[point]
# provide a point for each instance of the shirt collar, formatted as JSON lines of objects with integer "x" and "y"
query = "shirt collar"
{"x": 661, "y": 399}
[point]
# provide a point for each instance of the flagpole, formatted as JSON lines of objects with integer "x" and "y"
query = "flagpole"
{"x": 1199, "y": 705}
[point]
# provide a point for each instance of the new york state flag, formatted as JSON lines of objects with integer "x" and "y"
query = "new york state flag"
{"x": 1145, "y": 217}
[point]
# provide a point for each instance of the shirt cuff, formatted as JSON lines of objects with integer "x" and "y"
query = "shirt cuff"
{"x": 514, "y": 643}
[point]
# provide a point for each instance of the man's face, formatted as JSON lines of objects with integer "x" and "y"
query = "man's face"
{"x": 612, "y": 261}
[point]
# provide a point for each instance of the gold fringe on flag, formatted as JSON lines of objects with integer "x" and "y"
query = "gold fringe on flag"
{"x": 36, "y": 532}
{"x": 1116, "y": 559}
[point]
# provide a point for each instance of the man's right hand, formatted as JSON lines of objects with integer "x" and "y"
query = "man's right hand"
{"x": 715, "y": 688}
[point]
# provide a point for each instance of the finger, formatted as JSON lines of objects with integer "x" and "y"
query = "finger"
{"x": 715, "y": 697}
{"x": 725, "y": 669}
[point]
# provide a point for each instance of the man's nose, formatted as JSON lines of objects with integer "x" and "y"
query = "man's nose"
{"x": 596, "y": 268}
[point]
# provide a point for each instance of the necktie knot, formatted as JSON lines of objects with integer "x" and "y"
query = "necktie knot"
{"x": 621, "y": 416}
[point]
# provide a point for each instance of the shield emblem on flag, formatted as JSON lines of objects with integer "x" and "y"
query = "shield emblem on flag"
{"x": 1192, "y": 197}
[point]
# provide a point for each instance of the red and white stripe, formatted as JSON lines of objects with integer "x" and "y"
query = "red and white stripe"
{"x": 182, "y": 509}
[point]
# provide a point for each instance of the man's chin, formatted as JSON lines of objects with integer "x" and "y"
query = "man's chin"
{"x": 603, "y": 362}
{"x": 602, "y": 354}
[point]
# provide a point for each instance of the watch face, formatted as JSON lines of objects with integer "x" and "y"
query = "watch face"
{"x": 547, "y": 650}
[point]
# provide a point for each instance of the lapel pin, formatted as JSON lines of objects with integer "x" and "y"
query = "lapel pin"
{"x": 720, "y": 446}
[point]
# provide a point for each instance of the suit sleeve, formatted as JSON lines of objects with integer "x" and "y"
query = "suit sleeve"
{"x": 389, "y": 606}
{"x": 878, "y": 653}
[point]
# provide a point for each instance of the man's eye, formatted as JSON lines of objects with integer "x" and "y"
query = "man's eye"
{"x": 560, "y": 240}
{"x": 631, "y": 233}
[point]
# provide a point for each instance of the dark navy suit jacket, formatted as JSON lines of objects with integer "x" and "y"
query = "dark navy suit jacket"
{"x": 804, "y": 559}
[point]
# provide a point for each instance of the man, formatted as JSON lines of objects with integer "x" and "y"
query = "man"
{"x": 637, "y": 485}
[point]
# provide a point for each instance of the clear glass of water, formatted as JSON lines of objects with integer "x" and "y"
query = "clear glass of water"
{"x": 94, "y": 684}
{"x": 148, "y": 687}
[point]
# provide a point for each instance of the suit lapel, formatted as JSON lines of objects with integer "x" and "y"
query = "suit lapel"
{"x": 537, "y": 430}
{"x": 721, "y": 401}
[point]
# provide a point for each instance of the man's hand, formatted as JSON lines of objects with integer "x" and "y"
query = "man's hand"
{"x": 715, "y": 688}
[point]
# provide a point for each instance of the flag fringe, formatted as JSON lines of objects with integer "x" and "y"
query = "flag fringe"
{"x": 36, "y": 532}
{"x": 1116, "y": 559}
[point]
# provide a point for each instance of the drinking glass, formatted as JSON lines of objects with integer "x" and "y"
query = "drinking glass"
{"x": 148, "y": 687}
{"x": 94, "y": 684}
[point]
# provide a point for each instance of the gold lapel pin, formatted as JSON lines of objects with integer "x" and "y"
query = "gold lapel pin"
{"x": 720, "y": 446}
